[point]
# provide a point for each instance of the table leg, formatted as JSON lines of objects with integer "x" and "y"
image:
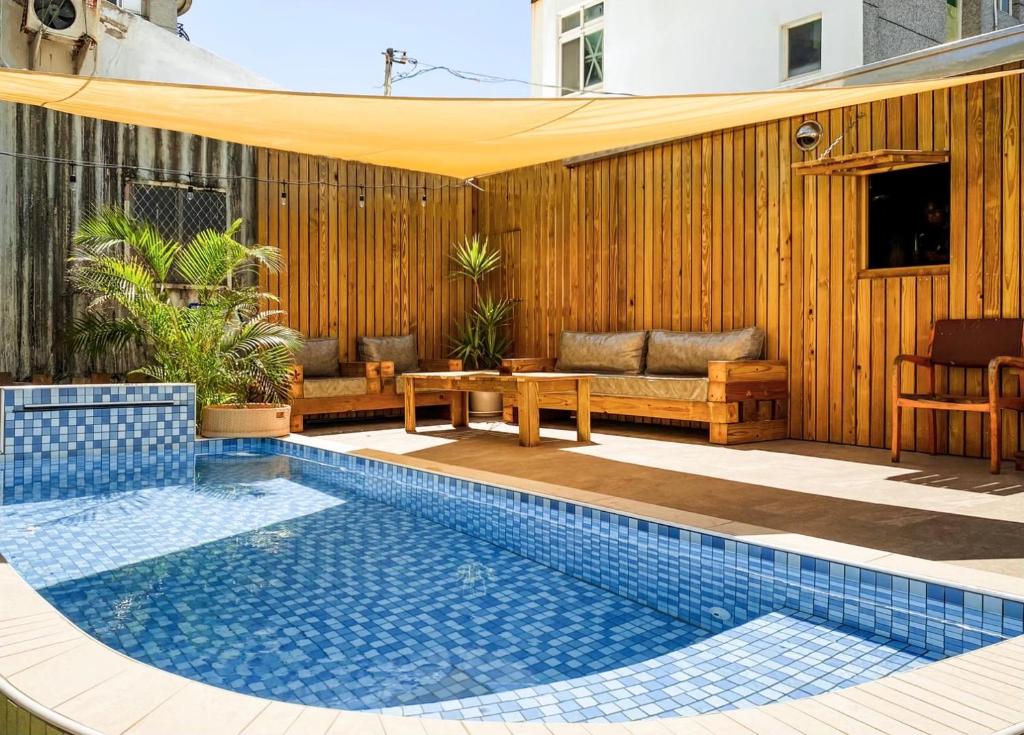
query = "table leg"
{"x": 529, "y": 414}
{"x": 460, "y": 408}
{"x": 583, "y": 410}
{"x": 410, "y": 405}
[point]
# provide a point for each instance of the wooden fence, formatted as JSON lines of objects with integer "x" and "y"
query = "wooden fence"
{"x": 708, "y": 233}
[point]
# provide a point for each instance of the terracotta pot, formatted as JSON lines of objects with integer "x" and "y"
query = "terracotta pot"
{"x": 484, "y": 403}
{"x": 253, "y": 420}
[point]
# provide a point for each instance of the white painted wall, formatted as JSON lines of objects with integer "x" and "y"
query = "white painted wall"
{"x": 682, "y": 46}
{"x": 128, "y": 47}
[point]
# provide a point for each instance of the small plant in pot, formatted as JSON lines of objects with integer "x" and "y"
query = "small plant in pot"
{"x": 225, "y": 341}
{"x": 481, "y": 338}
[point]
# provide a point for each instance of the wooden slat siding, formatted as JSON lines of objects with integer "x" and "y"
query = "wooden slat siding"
{"x": 379, "y": 269}
{"x": 715, "y": 232}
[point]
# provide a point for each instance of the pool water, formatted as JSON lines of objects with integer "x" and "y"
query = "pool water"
{"x": 279, "y": 577}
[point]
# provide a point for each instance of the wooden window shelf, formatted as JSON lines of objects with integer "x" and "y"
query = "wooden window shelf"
{"x": 869, "y": 162}
{"x": 940, "y": 269}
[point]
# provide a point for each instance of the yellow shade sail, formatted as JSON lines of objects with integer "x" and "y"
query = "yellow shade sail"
{"x": 455, "y": 137}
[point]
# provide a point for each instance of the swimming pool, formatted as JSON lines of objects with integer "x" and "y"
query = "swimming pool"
{"x": 316, "y": 577}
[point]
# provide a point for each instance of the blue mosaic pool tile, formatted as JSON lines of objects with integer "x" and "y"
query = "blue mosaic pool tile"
{"x": 703, "y": 622}
{"x": 91, "y": 419}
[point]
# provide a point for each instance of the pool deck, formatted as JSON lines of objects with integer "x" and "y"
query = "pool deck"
{"x": 931, "y": 517}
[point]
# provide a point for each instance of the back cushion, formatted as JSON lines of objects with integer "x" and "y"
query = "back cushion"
{"x": 621, "y": 353}
{"x": 974, "y": 342}
{"x": 688, "y": 353}
{"x": 319, "y": 357}
{"x": 399, "y": 350}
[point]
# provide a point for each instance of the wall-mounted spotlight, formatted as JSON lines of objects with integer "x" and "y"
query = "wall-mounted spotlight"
{"x": 808, "y": 135}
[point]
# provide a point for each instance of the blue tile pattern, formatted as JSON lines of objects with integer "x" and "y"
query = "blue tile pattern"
{"x": 358, "y": 584}
{"x": 75, "y": 424}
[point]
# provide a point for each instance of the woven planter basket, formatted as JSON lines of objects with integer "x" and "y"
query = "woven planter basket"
{"x": 251, "y": 421}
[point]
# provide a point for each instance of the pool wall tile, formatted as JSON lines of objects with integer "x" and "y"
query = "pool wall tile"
{"x": 702, "y": 578}
{"x": 93, "y": 419}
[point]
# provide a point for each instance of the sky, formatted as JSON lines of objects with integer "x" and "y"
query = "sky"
{"x": 336, "y": 45}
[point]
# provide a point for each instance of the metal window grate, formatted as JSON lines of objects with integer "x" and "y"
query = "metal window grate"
{"x": 178, "y": 212}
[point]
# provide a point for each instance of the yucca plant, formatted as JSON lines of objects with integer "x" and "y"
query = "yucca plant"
{"x": 481, "y": 339}
{"x": 227, "y": 343}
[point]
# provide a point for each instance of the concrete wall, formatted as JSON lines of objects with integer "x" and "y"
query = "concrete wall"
{"x": 40, "y": 209}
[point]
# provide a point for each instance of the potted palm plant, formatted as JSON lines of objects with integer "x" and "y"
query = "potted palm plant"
{"x": 225, "y": 341}
{"x": 481, "y": 338}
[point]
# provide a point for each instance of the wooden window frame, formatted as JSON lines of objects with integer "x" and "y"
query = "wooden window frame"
{"x": 863, "y": 271}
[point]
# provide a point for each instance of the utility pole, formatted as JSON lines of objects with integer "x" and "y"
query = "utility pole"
{"x": 389, "y": 61}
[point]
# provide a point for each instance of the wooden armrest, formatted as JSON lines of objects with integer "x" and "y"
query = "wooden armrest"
{"x": 746, "y": 380}
{"x": 298, "y": 375}
{"x": 443, "y": 365}
{"x": 526, "y": 365}
{"x": 1014, "y": 363}
{"x": 359, "y": 369}
{"x": 921, "y": 360}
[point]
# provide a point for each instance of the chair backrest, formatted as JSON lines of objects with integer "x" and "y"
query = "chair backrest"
{"x": 974, "y": 342}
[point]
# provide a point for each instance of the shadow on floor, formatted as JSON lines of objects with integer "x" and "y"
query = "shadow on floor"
{"x": 921, "y": 533}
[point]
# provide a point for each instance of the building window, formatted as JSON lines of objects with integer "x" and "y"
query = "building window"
{"x": 581, "y": 43}
{"x": 1005, "y": 6}
{"x": 908, "y": 218}
{"x": 803, "y": 48}
{"x": 178, "y": 212}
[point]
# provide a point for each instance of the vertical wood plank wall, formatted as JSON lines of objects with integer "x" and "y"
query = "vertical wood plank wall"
{"x": 380, "y": 269}
{"x": 715, "y": 232}
{"x": 708, "y": 233}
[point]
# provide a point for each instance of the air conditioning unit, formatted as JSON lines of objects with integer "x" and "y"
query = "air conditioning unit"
{"x": 63, "y": 20}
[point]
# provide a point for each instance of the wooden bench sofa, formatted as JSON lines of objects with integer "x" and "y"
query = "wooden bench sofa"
{"x": 324, "y": 385}
{"x": 714, "y": 378}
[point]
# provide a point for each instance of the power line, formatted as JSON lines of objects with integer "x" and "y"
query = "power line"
{"x": 190, "y": 176}
{"x": 419, "y": 68}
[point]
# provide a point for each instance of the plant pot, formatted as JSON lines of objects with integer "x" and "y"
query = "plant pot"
{"x": 484, "y": 403}
{"x": 252, "y": 420}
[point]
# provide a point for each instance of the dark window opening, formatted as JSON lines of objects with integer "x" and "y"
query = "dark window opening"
{"x": 908, "y": 217}
{"x": 803, "y": 47}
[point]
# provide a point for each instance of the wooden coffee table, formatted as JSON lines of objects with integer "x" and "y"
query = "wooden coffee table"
{"x": 527, "y": 387}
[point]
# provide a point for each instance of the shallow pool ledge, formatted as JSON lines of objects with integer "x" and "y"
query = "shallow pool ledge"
{"x": 55, "y": 673}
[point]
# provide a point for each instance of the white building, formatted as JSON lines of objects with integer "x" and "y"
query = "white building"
{"x": 684, "y": 46}
{"x": 128, "y": 39}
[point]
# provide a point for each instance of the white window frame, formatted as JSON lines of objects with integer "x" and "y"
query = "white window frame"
{"x": 784, "y": 43}
{"x": 579, "y": 32}
{"x": 1008, "y": 4}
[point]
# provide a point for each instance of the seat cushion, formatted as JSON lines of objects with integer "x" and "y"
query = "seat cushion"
{"x": 318, "y": 357}
{"x": 399, "y": 350}
{"x": 688, "y": 353}
{"x": 333, "y": 387}
{"x": 671, "y": 387}
{"x": 620, "y": 353}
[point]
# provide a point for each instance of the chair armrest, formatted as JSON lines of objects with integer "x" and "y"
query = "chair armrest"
{"x": 995, "y": 371}
{"x": 919, "y": 360}
{"x": 444, "y": 365}
{"x": 359, "y": 369}
{"x": 526, "y": 365}
{"x": 747, "y": 380}
{"x": 298, "y": 375}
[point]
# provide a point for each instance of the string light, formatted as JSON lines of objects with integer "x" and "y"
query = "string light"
{"x": 189, "y": 177}
{"x": 423, "y": 199}
{"x": 73, "y": 177}
{"x": 284, "y": 197}
{"x": 190, "y": 194}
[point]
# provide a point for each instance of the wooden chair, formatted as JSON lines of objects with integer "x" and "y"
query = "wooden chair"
{"x": 995, "y": 344}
